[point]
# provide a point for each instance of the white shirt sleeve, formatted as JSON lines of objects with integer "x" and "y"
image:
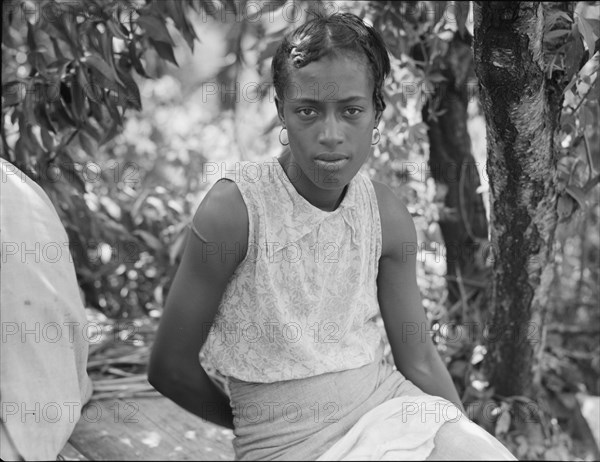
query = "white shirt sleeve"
{"x": 43, "y": 354}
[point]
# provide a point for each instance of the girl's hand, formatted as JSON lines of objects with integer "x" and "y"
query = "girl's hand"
{"x": 193, "y": 300}
{"x": 399, "y": 297}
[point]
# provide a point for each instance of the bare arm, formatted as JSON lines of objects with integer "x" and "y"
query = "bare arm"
{"x": 192, "y": 304}
{"x": 403, "y": 315}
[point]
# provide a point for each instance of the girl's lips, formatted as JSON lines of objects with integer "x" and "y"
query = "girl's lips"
{"x": 332, "y": 164}
{"x": 331, "y": 157}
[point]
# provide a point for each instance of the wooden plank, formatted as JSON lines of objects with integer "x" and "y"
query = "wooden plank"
{"x": 216, "y": 441}
{"x": 590, "y": 409}
{"x": 70, "y": 453}
{"x": 148, "y": 429}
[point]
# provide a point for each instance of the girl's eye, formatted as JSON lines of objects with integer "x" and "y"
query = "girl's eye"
{"x": 306, "y": 112}
{"x": 353, "y": 111}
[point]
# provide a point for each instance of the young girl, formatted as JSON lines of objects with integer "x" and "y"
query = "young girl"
{"x": 290, "y": 262}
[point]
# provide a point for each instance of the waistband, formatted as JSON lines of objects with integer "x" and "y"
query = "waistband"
{"x": 301, "y": 419}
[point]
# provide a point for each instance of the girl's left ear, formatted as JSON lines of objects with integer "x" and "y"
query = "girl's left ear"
{"x": 377, "y": 118}
{"x": 279, "y": 106}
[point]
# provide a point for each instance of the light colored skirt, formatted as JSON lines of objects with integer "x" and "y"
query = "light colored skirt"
{"x": 369, "y": 413}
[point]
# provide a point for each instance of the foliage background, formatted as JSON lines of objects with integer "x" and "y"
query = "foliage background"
{"x": 126, "y": 195}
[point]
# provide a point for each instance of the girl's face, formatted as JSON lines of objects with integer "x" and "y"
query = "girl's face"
{"x": 329, "y": 115}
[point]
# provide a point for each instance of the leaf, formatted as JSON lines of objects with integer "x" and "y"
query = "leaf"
{"x": 32, "y": 143}
{"x": 155, "y": 28}
{"x": 135, "y": 60}
{"x": 11, "y": 93}
{"x": 573, "y": 52}
{"x": 562, "y": 14}
{"x": 83, "y": 82}
{"x": 42, "y": 117}
{"x": 95, "y": 61}
{"x": 91, "y": 130}
{"x": 564, "y": 167}
{"x": 64, "y": 24}
{"x": 587, "y": 32}
{"x": 88, "y": 143}
{"x": 96, "y": 108}
{"x": 62, "y": 115}
{"x": 117, "y": 29}
{"x": 590, "y": 68}
{"x": 56, "y": 48}
{"x": 8, "y": 37}
{"x": 109, "y": 135}
{"x": 554, "y": 34}
{"x": 439, "y": 10}
{"x": 47, "y": 139}
{"x": 31, "y": 37}
{"x": 436, "y": 77}
{"x": 113, "y": 110}
{"x": 164, "y": 50}
{"x": 207, "y": 6}
{"x": 71, "y": 173}
{"x": 461, "y": 14}
{"x": 149, "y": 239}
{"x": 55, "y": 33}
{"x": 565, "y": 206}
{"x": 105, "y": 40}
{"x": 184, "y": 25}
{"x": 595, "y": 25}
{"x": 16, "y": 115}
{"x": 132, "y": 92}
{"x": 59, "y": 66}
{"x": 111, "y": 207}
{"x": 77, "y": 102}
{"x": 175, "y": 10}
{"x": 189, "y": 34}
{"x": 578, "y": 194}
{"x": 157, "y": 204}
{"x": 503, "y": 423}
{"x": 28, "y": 107}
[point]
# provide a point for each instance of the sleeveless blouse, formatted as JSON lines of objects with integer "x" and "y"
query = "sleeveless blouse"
{"x": 303, "y": 301}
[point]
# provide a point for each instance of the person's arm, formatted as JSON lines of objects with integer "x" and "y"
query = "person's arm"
{"x": 399, "y": 298}
{"x": 192, "y": 303}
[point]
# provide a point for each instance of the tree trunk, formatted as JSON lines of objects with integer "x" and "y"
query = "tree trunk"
{"x": 522, "y": 109}
{"x": 463, "y": 222}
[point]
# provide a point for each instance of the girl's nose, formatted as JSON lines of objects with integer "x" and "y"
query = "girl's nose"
{"x": 331, "y": 135}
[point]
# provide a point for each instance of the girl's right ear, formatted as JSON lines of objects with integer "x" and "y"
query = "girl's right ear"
{"x": 279, "y": 105}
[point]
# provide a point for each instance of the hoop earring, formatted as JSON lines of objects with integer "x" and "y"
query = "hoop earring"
{"x": 378, "y": 137}
{"x": 284, "y": 144}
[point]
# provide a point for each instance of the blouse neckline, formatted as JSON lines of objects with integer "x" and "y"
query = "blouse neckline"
{"x": 348, "y": 202}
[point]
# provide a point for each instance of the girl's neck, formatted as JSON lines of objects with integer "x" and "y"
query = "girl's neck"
{"x": 327, "y": 200}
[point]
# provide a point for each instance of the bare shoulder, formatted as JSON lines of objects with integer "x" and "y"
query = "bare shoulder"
{"x": 397, "y": 225}
{"x": 222, "y": 217}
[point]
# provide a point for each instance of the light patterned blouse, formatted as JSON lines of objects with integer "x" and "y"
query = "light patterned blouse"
{"x": 303, "y": 300}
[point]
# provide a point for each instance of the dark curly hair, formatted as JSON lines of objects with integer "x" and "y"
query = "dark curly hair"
{"x": 339, "y": 33}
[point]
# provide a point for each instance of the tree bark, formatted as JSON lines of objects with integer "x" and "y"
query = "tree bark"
{"x": 463, "y": 222}
{"x": 522, "y": 109}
